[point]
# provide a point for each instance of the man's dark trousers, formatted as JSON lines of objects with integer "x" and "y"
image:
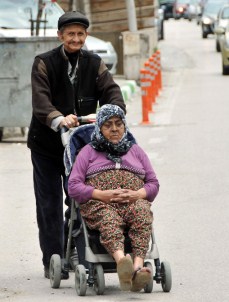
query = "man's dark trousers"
{"x": 48, "y": 177}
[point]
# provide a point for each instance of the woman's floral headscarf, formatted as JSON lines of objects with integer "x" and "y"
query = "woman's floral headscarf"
{"x": 100, "y": 143}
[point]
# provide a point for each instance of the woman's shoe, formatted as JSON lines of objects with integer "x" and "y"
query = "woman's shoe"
{"x": 125, "y": 271}
{"x": 140, "y": 279}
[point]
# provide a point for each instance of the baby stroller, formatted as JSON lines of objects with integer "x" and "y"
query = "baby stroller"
{"x": 93, "y": 259}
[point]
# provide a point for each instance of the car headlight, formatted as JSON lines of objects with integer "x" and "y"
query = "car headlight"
{"x": 207, "y": 21}
{"x": 180, "y": 9}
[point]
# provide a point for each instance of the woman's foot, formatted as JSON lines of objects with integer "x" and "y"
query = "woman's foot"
{"x": 125, "y": 270}
{"x": 141, "y": 277}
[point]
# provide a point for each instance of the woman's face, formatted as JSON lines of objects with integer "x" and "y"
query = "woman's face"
{"x": 113, "y": 129}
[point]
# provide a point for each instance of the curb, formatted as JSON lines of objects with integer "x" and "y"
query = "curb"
{"x": 128, "y": 89}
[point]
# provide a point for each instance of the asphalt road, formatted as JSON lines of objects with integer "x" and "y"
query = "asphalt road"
{"x": 188, "y": 144}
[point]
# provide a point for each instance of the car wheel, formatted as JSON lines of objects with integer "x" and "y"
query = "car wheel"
{"x": 217, "y": 46}
{"x": 162, "y": 30}
{"x": 225, "y": 69}
{"x": 204, "y": 35}
{"x": 1, "y": 133}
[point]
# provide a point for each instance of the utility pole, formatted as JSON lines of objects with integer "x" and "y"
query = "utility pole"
{"x": 131, "y": 13}
{"x": 77, "y": 5}
{"x": 70, "y": 5}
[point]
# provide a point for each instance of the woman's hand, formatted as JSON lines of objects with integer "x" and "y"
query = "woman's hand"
{"x": 106, "y": 195}
{"x": 69, "y": 121}
{"x": 119, "y": 195}
{"x": 127, "y": 195}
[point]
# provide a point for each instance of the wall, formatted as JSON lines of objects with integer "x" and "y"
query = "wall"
{"x": 108, "y": 15}
{"x": 138, "y": 47}
{"x": 109, "y": 21}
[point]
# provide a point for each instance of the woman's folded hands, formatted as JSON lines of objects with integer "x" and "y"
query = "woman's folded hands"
{"x": 119, "y": 195}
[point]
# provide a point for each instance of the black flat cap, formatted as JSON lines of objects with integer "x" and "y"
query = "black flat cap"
{"x": 73, "y": 18}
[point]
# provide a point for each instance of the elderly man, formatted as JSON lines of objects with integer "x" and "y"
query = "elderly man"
{"x": 66, "y": 82}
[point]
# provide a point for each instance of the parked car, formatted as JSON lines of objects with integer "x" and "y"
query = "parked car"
{"x": 167, "y": 6}
{"x": 210, "y": 11}
{"x": 180, "y": 8}
{"x": 104, "y": 49}
{"x": 224, "y": 46}
{"x": 194, "y": 10}
{"x": 161, "y": 34}
{"x": 221, "y": 21}
{"x": 159, "y": 21}
{"x": 19, "y": 19}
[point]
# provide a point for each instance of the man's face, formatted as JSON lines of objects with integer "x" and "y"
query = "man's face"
{"x": 73, "y": 37}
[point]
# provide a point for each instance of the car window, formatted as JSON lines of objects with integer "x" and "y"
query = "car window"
{"x": 19, "y": 14}
{"x": 225, "y": 13}
{"x": 213, "y": 7}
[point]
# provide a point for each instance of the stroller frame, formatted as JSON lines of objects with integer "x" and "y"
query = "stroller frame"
{"x": 92, "y": 264}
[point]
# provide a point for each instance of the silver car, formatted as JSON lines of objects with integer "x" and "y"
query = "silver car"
{"x": 26, "y": 18}
{"x": 211, "y": 9}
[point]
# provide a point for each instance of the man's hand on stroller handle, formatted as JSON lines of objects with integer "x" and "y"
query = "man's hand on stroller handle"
{"x": 72, "y": 121}
{"x": 69, "y": 121}
{"x": 119, "y": 195}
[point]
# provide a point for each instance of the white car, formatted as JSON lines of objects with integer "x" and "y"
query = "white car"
{"x": 221, "y": 21}
{"x": 25, "y": 18}
{"x": 105, "y": 50}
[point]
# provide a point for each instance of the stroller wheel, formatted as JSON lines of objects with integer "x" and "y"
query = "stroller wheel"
{"x": 80, "y": 280}
{"x": 55, "y": 271}
{"x": 99, "y": 283}
{"x": 149, "y": 287}
{"x": 166, "y": 275}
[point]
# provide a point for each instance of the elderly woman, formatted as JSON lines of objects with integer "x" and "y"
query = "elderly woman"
{"x": 115, "y": 184}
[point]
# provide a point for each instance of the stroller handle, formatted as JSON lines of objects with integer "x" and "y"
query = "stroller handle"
{"x": 90, "y": 118}
{"x": 65, "y": 132}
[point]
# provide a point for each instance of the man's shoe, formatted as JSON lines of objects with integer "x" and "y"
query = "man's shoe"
{"x": 64, "y": 274}
{"x": 46, "y": 272}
